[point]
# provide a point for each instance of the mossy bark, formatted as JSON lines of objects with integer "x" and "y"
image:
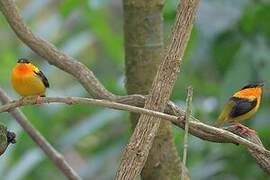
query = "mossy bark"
{"x": 143, "y": 26}
{"x": 3, "y": 139}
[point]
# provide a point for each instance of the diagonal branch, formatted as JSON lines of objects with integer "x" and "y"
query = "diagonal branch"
{"x": 47, "y": 148}
{"x": 51, "y": 53}
{"x": 262, "y": 159}
{"x": 137, "y": 150}
{"x": 143, "y": 39}
{"x": 196, "y": 128}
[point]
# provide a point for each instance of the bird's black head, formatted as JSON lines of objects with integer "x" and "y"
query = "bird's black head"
{"x": 23, "y": 61}
{"x": 253, "y": 85}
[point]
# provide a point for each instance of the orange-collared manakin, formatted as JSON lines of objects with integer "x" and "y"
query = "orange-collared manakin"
{"x": 242, "y": 105}
{"x": 28, "y": 80}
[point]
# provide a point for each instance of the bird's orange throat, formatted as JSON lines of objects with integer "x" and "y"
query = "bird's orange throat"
{"x": 249, "y": 92}
{"x": 22, "y": 69}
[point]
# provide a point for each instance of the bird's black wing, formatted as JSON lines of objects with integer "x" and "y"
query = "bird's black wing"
{"x": 242, "y": 106}
{"x": 43, "y": 78}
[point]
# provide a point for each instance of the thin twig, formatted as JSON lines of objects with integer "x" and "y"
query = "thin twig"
{"x": 47, "y": 148}
{"x": 187, "y": 118}
{"x": 79, "y": 100}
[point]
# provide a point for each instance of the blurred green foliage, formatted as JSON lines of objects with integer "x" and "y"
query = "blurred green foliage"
{"x": 229, "y": 47}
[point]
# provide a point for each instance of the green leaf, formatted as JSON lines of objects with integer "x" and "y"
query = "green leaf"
{"x": 255, "y": 19}
{"x": 225, "y": 48}
{"x": 67, "y": 6}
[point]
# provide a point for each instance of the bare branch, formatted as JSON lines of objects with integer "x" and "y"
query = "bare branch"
{"x": 59, "y": 59}
{"x": 187, "y": 118}
{"x": 196, "y": 127}
{"x": 136, "y": 152}
{"x": 143, "y": 39}
{"x": 260, "y": 158}
{"x": 51, "y": 53}
{"x": 79, "y": 100}
{"x": 47, "y": 148}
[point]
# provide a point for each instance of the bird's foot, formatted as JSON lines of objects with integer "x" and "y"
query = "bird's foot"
{"x": 38, "y": 100}
{"x": 21, "y": 100}
{"x": 243, "y": 130}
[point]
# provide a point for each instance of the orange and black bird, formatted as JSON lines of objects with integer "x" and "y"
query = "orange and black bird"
{"x": 242, "y": 105}
{"x": 28, "y": 80}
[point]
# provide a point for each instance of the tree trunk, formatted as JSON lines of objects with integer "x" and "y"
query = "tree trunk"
{"x": 143, "y": 26}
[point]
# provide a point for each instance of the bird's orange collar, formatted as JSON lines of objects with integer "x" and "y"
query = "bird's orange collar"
{"x": 22, "y": 69}
{"x": 249, "y": 92}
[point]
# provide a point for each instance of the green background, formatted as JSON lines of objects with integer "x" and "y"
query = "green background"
{"x": 229, "y": 47}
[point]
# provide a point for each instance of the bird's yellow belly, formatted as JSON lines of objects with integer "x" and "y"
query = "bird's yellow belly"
{"x": 28, "y": 85}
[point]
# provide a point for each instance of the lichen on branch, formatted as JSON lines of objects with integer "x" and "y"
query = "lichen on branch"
{"x": 6, "y": 138}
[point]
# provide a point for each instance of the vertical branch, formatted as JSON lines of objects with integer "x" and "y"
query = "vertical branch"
{"x": 47, "y": 148}
{"x": 187, "y": 118}
{"x": 143, "y": 27}
{"x": 136, "y": 152}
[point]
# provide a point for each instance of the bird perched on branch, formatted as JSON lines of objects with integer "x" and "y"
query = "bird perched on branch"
{"x": 28, "y": 80}
{"x": 242, "y": 105}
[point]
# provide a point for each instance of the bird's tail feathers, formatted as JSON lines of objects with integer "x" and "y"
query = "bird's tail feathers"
{"x": 221, "y": 120}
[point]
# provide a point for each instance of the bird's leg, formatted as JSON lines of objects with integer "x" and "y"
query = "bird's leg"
{"x": 21, "y": 100}
{"x": 38, "y": 99}
{"x": 243, "y": 130}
